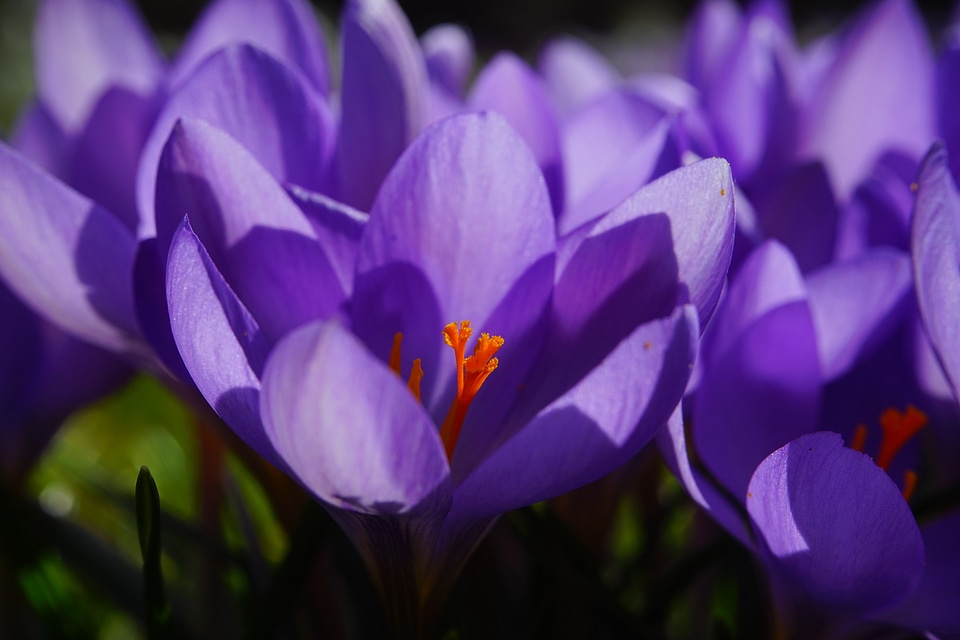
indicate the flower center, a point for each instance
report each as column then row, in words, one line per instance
column 897, row 429
column 472, row 372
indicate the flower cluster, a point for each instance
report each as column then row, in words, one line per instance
column 430, row 297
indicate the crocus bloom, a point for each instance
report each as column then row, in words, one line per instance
column 592, row 358
column 788, row 356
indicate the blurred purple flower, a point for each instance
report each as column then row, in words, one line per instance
column 786, row 357
column 291, row 342
column 44, row 376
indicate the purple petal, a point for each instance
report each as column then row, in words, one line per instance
column 948, row 99
column 935, row 247
column 856, row 304
column 38, row 137
column 285, row 29
column 799, row 209
column 448, row 52
column 855, row 118
column 384, row 96
column 349, row 428
column 510, row 87
column 598, row 425
column 575, row 73
column 597, row 142
column 698, row 202
column 880, row 210
column 258, row 238
column 262, row 104
column 461, row 222
column 646, row 161
column 220, row 343
column 105, row 155
column 932, row 606
column 65, row 256
column 714, row 28
column 835, row 526
column 767, row 279
column 338, row 228
column 83, row 48
column 760, row 382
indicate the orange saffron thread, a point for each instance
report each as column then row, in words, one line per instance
column 394, row 361
column 859, row 438
column 413, row 382
column 472, row 372
column 909, row 484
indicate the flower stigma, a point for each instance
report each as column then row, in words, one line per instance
column 898, row 428
column 472, row 372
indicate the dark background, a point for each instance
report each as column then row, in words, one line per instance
column 517, row 24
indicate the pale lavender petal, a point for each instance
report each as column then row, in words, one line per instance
column 285, row 29
column 767, row 279
column 597, row 142
column 444, row 245
column 575, row 73
column 257, row 237
column 38, row 137
column 338, row 228
column 698, row 201
column 349, row 428
column 103, row 165
column 748, row 103
column 948, row 98
column 384, row 96
column 649, row 158
column 448, row 52
column 935, row 248
column 65, row 256
column 511, row 88
column 761, row 393
column 713, row 30
column 263, row 105
column 856, row 305
column 800, row 210
column 83, row 48
column 220, row 342
column 835, row 526
column 599, row 424
column 854, row 117
column 760, row 382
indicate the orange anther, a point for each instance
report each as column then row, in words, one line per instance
column 394, row 361
column 859, row 438
column 416, row 375
column 909, row 484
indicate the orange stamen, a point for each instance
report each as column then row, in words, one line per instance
column 859, row 438
column 898, row 428
column 909, row 484
column 413, row 382
column 394, row 361
column 472, row 372
column 416, row 371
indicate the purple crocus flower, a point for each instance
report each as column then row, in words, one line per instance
column 786, row 358
column 363, row 406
